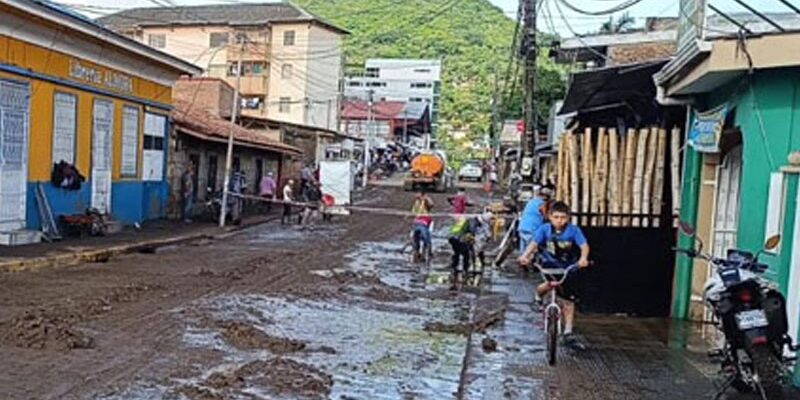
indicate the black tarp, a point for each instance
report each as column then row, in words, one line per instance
column 607, row 94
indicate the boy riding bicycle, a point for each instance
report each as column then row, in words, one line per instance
column 559, row 244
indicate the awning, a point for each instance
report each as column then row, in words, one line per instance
column 628, row 86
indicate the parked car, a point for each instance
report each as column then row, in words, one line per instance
column 471, row 170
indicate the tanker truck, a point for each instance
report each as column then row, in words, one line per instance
column 429, row 172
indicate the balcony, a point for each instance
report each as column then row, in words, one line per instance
column 252, row 52
column 251, row 85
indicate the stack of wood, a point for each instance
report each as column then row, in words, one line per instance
column 611, row 178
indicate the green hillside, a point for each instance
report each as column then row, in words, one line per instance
column 473, row 37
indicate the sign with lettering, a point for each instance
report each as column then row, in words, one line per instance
column 109, row 79
column 707, row 129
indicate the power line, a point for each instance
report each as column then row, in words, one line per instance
column 578, row 37
column 622, row 6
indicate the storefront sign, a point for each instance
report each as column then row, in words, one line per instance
column 111, row 80
column 707, row 129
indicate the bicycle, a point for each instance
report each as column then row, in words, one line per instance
column 552, row 311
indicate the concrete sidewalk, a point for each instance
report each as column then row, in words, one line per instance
column 152, row 235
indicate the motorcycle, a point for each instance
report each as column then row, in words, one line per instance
column 213, row 205
column 751, row 314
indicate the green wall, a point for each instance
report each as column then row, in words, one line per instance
column 765, row 151
column 775, row 94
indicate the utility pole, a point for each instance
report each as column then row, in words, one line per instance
column 368, row 137
column 340, row 95
column 229, row 155
column 529, row 50
column 405, row 126
column 494, row 142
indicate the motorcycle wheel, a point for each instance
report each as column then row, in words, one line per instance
column 769, row 370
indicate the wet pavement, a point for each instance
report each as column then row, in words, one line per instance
column 325, row 314
column 372, row 340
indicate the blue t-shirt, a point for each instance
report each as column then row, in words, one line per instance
column 532, row 217
column 564, row 246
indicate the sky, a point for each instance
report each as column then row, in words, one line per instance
column 551, row 18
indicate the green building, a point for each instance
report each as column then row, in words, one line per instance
column 740, row 185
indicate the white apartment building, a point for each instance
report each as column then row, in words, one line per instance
column 291, row 60
column 409, row 80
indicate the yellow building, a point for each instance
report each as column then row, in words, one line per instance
column 73, row 91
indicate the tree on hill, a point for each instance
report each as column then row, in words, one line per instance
column 472, row 38
column 622, row 24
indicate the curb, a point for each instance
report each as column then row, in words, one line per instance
column 106, row 253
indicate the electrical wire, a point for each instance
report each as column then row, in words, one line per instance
column 622, row 6
column 578, row 37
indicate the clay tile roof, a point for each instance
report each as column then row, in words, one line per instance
column 382, row 110
column 205, row 125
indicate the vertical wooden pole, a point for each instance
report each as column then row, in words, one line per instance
column 650, row 164
column 613, row 176
column 587, row 163
column 631, row 141
column 675, row 160
column 658, row 185
column 599, row 177
column 638, row 174
column 603, row 192
column 574, row 181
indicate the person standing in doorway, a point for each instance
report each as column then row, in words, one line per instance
column 267, row 189
column 187, row 185
column 288, row 198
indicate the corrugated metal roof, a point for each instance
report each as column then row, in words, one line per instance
column 618, row 39
column 216, row 14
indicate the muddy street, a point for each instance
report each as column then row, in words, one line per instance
column 338, row 312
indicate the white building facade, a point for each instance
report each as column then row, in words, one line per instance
column 408, row 80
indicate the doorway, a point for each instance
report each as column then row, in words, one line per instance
column 103, row 123
column 726, row 214
column 14, row 131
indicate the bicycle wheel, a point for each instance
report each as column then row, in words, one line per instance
column 552, row 335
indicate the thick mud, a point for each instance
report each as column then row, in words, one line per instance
column 337, row 312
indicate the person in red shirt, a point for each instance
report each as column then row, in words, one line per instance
column 421, row 233
column 460, row 202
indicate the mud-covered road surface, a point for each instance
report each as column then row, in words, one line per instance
column 337, row 312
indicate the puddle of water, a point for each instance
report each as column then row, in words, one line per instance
column 380, row 354
column 143, row 391
column 272, row 233
column 382, row 350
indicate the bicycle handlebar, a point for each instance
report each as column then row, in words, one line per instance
column 558, row 271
